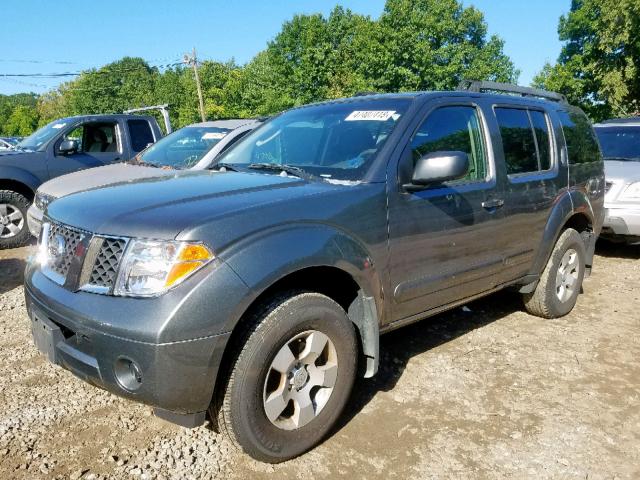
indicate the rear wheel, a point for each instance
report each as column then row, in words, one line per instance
column 291, row 379
column 13, row 219
column 560, row 283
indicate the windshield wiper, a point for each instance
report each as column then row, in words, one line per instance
column 142, row 163
column 277, row 167
column 226, row 166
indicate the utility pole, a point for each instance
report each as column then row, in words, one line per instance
column 193, row 61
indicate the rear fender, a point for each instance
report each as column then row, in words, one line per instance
column 566, row 205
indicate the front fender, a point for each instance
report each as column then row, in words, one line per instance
column 21, row 176
column 262, row 259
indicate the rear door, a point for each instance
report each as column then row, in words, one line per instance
column 99, row 143
column 529, row 158
column 443, row 239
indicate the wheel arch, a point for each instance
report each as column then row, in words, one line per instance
column 570, row 211
column 18, row 186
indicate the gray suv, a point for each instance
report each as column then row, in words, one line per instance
column 255, row 292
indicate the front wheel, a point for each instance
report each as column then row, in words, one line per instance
column 560, row 283
column 13, row 219
column 291, row 379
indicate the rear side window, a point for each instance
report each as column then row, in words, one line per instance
column 140, row 133
column 541, row 129
column 582, row 145
column 525, row 140
column 455, row 128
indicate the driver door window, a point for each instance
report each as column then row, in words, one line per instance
column 95, row 138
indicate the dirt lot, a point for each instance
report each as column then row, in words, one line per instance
column 486, row 393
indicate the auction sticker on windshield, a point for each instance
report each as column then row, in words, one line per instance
column 370, row 115
column 213, row 136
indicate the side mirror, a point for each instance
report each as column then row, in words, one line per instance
column 68, row 147
column 438, row 167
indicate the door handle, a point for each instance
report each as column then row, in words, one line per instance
column 493, row 204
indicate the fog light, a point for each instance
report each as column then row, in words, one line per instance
column 128, row 374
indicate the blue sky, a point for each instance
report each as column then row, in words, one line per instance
column 88, row 35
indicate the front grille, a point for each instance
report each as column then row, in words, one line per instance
column 105, row 267
column 80, row 260
column 63, row 242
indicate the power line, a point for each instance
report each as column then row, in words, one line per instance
column 58, row 62
column 105, row 70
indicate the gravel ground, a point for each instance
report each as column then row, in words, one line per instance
column 482, row 392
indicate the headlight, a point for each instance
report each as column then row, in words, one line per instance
column 632, row 192
column 43, row 200
column 150, row 267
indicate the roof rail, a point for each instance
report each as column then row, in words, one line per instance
column 364, row 93
column 484, row 86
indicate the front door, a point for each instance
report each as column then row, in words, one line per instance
column 444, row 243
column 98, row 144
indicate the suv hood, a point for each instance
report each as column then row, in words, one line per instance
column 625, row 171
column 10, row 154
column 162, row 207
column 100, row 177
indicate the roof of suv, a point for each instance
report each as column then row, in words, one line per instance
column 106, row 116
column 444, row 93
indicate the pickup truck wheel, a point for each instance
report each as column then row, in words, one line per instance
column 291, row 379
column 13, row 219
column 557, row 292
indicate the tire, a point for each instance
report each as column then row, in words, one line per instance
column 242, row 410
column 14, row 231
column 552, row 298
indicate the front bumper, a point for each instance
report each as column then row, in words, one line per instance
column 175, row 377
column 624, row 221
column 34, row 220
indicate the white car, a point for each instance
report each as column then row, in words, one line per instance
column 8, row 143
column 192, row 147
column 620, row 143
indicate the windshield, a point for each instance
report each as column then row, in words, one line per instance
column 38, row 140
column 10, row 140
column 621, row 143
column 334, row 141
column 183, row 148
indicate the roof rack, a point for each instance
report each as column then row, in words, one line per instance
column 484, row 86
column 164, row 111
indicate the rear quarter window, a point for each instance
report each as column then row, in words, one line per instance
column 140, row 133
column 582, row 145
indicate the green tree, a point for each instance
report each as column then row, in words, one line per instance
column 433, row 45
column 415, row 45
column 22, row 121
column 8, row 105
column 599, row 66
column 120, row 85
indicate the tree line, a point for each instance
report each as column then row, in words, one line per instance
column 413, row 45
